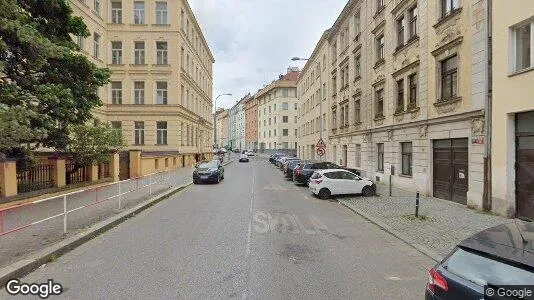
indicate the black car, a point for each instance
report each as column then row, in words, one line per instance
column 495, row 257
column 208, row 171
column 288, row 170
column 303, row 172
column 273, row 157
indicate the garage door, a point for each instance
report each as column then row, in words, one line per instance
column 524, row 167
column 450, row 169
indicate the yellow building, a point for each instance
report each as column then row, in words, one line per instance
column 512, row 151
column 160, row 93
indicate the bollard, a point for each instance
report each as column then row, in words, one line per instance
column 390, row 185
column 120, row 195
column 417, row 205
column 150, row 184
column 65, row 214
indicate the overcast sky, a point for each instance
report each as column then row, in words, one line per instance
column 253, row 40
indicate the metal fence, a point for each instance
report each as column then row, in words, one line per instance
column 80, row 175
column 103, row 171
column 35, row 178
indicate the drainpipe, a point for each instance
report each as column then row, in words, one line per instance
column 486, row 202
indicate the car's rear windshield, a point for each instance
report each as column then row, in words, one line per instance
column 210, row 164
column 316, row 175
column 484, row 270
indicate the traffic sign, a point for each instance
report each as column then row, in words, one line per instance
column 321, row 151
column 321, row 144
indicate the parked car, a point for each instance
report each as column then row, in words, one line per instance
column 208, row 171
column 273, row 157
column 286, row 161
column 288, row 170
column 498, row 256
column 251, row 152
column 325, row 183
column 243, row 158
column 303, row 172
column 277, row 160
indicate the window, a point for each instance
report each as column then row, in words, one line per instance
column 334, row 120
column 342, row 123
column 285, row 106
column 295, row 120
column 380, row 48
column 412, row 96
column 97, row 6
column 400, row 95
column 334, row 85
column 380, row 166
column 161, row 53
column 379, row 96
column 274, row 107
column 449, row 78
column 269, row 109
column 182, row 95
column 346, row 123
column 358, row 155
column 161, row 132
column 116, row 12
column 357, row 67
column 161, row 13
column 379, row 4
column 285, row 132
column 117, row 125
column 334, row 50
column 357, row 111
column 96, row 45
column 412, row 16
column 80, row 42
column 285, row 119
column 274, row 120
column 295, row 132
column 324, row 121
column 139, row 92
column 523, row 46
column 448, row 6
column 161, row 92
column 285, row 92
column 406, row 158
column 295, row 106
column 357, row 26
column 139, row 133
column 139, row 53
column 400, row 31
column 269, row 121
column 116, row 92
column 139, row 12
column 116, row 53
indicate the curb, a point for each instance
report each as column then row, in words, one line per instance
column 401, row 236
column 34, row 261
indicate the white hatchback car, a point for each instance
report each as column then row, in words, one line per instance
column 325, row 183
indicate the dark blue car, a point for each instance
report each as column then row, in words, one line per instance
column 491, row 259
column 210, row 171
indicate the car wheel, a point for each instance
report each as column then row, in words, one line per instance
column 195, row 181
column 324, row 193
column 222, row 177
column 367, row 191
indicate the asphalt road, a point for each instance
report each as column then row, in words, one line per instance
column 254, row 235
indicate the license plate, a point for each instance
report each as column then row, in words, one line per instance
column 203, row 177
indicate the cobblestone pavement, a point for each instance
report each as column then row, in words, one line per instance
column 448, row 223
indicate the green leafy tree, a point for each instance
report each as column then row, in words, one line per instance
column 91, row 143
column 42, row 74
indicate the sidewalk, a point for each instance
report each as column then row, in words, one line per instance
column 446, row 225
column 17, row 245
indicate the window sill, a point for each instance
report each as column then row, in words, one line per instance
column 357, row 37
column 380, row 171
column 138, row 144
column 379, row 117
column 443, row 102
column 410, row 41
column 115, row 24
column 379, row 11
column 408, row 110
column 357, row 78
column 161, row 65
column 357, row 123
column 162, row 25
column 138, row 65
column 405, row 175
column 115, row 65
column 379, row 63
column 515, row 73
column 161, row 144
column 447, row 17
column 143, row 24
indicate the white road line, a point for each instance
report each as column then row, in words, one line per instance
column 249, row 238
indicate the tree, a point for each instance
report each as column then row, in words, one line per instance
column 42, row 74
column 91, row 144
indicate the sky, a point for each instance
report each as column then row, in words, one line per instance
column 253, row 41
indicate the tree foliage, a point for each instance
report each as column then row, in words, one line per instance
column 43, row 79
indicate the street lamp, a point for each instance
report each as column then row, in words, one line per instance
column 321, row 95
column 215, row 118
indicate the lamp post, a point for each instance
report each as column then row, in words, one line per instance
column 215, row 118
column 321, row 96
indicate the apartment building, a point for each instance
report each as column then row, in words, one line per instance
column 407, row 93
column 160, row 93
column 512, row 141
column 222, row 127
column 312, row 105
column 218, row 132
column 277, row 113
column 237, row 124
column 251, row 123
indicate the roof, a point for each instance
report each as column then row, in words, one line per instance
column 513, row 241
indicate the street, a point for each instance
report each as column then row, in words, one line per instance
column 255, row 235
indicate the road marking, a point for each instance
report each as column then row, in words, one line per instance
column 248, row 279
column 274, row 186
column 265, row 222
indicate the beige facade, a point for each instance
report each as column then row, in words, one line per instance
column 407, row 89
column 277, row 113
column 160, row 93
column 512, row 159
column 251, row 123
column 312, row 87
